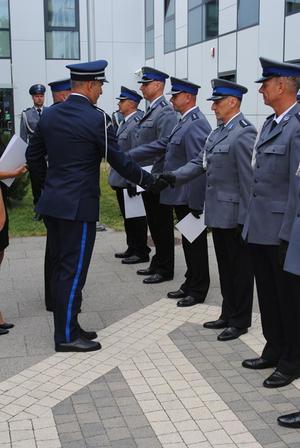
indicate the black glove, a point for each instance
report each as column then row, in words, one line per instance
column 196, row 213
column 131, row 190
column 158, row 184
column 169, row 177
column 282, row 250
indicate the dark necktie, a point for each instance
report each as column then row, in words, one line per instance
column 273, row 126
column 39, row 111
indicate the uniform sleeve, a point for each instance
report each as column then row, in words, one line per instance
column 150, row 150
column 190, row 170
column 243, row 149
column 35, row 157
column 23, row 129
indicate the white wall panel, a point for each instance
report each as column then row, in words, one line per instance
column 271, row 29
column 227, row 16
column 227, row 53
column 181, row 63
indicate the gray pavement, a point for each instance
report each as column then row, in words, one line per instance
column 161, row 379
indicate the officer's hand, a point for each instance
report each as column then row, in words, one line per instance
column 282, row 250
column 158, row 184
column 18, row 171
column 196, row 213
column 131, row 190
column 169, row 177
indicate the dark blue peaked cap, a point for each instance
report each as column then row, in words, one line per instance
column 60, row 85
column 152, row 74
column 181, row 85
column 222, row 88
column 275, row 68
column 127, row 94
column 36, row 89
column 88, row 71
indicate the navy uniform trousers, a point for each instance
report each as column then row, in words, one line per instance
column 236, row 277
column 71, row 245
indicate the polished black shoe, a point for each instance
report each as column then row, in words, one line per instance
column 79, row 345
column 134, row 259
column 90, row 335
column 258, row 363
column 147, row 271
column 3, row 331
column 6, row 326
column 188, row 301
column 125, row 254
column 156, row 278
column 179, row 294
column 231, row 333
column 216, row 324
column 290, row 420
column 279, row 379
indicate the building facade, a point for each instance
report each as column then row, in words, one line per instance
column 194, row 39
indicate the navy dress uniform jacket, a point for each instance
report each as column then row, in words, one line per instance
column 72, row 135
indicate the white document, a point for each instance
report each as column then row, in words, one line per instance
column 13, row 157
column 148, row 169
column 134, row 207
column 191, row 227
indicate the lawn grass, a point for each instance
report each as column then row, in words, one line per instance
column 22, row 225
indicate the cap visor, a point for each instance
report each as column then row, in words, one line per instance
column 173, row 93
column 215, row 98
column 263, row 78
column 145, row 81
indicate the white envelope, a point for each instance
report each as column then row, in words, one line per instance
column 148, row 169
column 13, row 157
column 134, row 207
column 191, row 227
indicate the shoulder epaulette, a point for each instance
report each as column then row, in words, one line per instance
column 270, row 116
column 137, row 119
column 244, row 123
column 195, row 116
column 163, row 103
column 298, row 115
column 25, row 110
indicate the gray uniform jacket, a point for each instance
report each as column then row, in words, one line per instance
column 29, row 121
column 185, row 142
column 157, row 123
column 226, row 158
column 292, row 261
column 125, row 136
column 274, row 192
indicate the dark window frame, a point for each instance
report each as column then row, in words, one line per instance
column 286, row 13
column 49, row 29
column 247, row 26
column 9, row 32
column 149, row 28
column 166, row 20
column 202, row 39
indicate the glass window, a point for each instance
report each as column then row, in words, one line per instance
column 149, row 29
column 203, row 20
column 292, row 6
column 4, row 30
column 248, row 13
column 170, row 29
column 62, row 29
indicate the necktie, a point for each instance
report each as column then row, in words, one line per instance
column 273, row 125
column 39, row 111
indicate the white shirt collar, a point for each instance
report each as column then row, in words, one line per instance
column 156, row 99
column 79, row 94
column 128, row 116
column 188, row 111
column 41, row 108
column 278, row 119
column 232, row 118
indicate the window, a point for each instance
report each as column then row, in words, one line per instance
column 149, row 29
column 4, row 30
column 203, row 20
column 62, row 29
column 292, row 6
column 248, row 13
column 170, row 29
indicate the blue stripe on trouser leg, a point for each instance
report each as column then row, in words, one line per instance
column 76, row 279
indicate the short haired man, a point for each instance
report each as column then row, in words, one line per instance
column 60, row 90
column 135, row 228
column 270, row 217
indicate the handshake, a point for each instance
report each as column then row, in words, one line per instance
column 162, row 181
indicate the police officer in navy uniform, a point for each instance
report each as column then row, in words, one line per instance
column 185, row 142
column 136, row 228
column 270, row 217
column 158, row 122
column 73, row 135
column 29, row 120
column 226, row 159
column 60, row 90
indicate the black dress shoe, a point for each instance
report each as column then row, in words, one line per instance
column 79, row 345
column 125, row 254
column 3, row 331
column 134, row 259
column 147, row 271
column 179, row 294
column 156, row 278
column 290, row 420
column 188, row 301
column 258, row 363
column 279, row 379
column 216, row 324
column 231, row 333
column 6, row 326
column 90, row 335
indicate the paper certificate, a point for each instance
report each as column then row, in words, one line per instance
column 191, row 227
column 134, row 207
column 148, row 169
column 13, row 157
